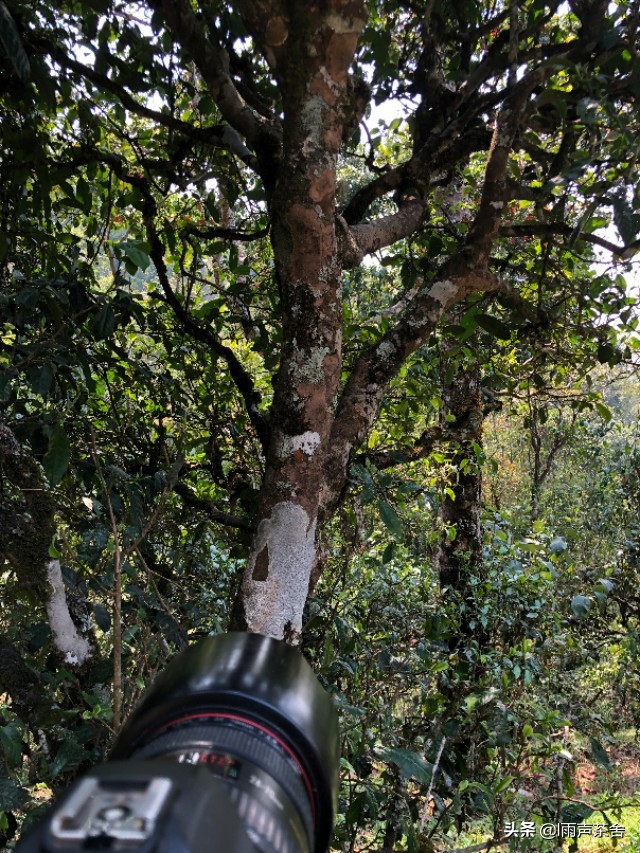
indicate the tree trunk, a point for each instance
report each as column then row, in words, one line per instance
column 460, row 553
column 313, row 79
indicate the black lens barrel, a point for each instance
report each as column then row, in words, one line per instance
column 257, row 683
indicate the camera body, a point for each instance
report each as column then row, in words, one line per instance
column 143, row 806
column 234, row 748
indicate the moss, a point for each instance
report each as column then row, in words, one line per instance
column 27, row 508
column 20, row 682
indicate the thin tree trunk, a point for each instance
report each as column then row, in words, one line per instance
column 459, row 559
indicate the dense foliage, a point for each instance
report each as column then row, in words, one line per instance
column 363, row 276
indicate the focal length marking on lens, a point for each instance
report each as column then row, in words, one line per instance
column 220, row 764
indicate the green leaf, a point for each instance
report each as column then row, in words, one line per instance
column 12, row 43
column 587, row 109
column 555, row 98
column 557, row 545
column 481, row 698
column 389, row 517
column 57, row 457
column 503, row 784
column 435, row 246
column 604, row 411
column 599, row 753
column 68, row 756
column 136, row 255
column 11, row 741
column 494, row 326
column 410, row 764
column 83, row 194
column 605, row 353
column 576, row 813
column 409, row 831
column 102, row 617
column 104, row 322
column 39, row 636
column 12, row 796
column 626, row 220
column 40, row 379
column 580, row 605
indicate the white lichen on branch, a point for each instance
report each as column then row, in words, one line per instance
column 67, row 639
column 443, row 291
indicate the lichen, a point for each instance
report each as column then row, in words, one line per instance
column 306, row 442
column 342, row 25
column 442, row 291
column 386, row 349
column 308, row 365
column 312, row 122
column 68, row 641
column 274, row 604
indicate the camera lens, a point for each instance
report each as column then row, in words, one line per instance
column 250, row 709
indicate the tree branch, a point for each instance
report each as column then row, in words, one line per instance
column 361, row 240
column 484, row 228
column 378, row 364
column 450, row 146
column 213, row 233
column 264, row 136
column 217, row 136
column 242, row 522
column 242, row 379
column 561, row 229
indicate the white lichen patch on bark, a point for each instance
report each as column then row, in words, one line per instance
column 442, row 291
column 329, row 81
column 312, row 122
column 306, row 442
column 274, row 605
column 386, row 349
column 308, row 365
column 497, row 205
column 330, row 271
column 342, row 25
column 67, row 639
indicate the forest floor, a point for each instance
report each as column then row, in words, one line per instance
column 623, row 779
column 616, row 785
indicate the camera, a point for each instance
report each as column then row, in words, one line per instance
column 233, row 749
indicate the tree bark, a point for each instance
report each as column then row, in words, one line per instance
column 459, row 558
column 312, row 69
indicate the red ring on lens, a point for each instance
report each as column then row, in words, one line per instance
column 264, row 729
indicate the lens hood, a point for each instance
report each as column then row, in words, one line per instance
column 256, row 680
